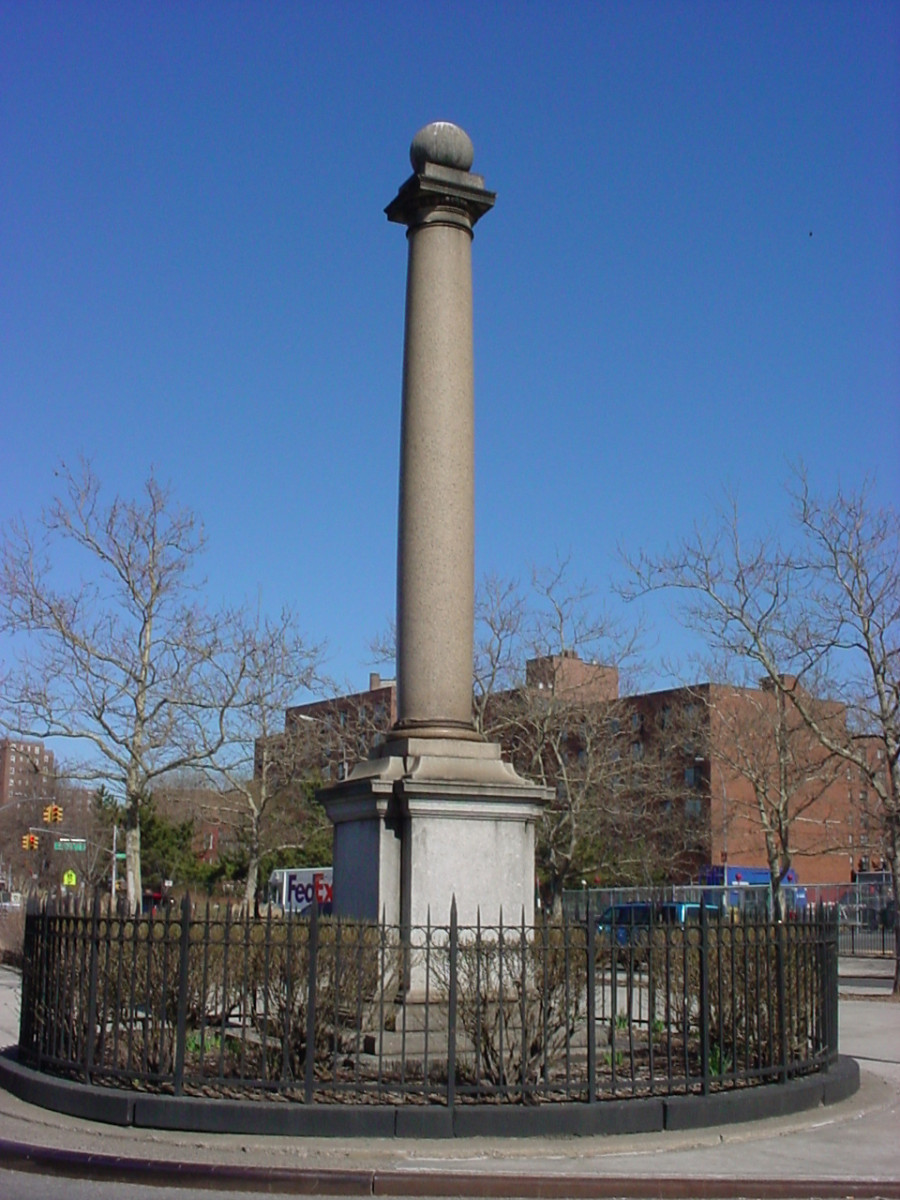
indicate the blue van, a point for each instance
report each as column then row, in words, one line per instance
column 685, row 912
column 627, row 924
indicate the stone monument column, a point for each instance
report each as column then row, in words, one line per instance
column 435, row 812
column 439, row 204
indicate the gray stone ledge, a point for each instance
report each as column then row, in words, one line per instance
column 652, row 1114
column 110, row 1105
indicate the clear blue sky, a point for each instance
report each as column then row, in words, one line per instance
column 690, row 280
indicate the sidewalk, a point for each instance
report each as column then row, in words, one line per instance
column 852, row 1148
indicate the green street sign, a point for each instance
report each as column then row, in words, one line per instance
column 76, row 844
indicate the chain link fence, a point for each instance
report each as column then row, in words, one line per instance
column 866, row 911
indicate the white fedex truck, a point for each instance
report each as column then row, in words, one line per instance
column 297, row 889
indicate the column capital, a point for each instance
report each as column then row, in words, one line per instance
column 439, row 187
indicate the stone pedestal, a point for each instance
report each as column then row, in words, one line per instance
column 435, row 812
column 425, row 820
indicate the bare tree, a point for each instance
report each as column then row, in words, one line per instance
column 500, row 648
column 761, row 739
column 742, row 599
column 852, row 559
column 266, row 663
column 547, row 670
column 821, row 620
column 117, row 662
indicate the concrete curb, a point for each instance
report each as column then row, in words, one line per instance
column 415, row 1182
column 654, row 1114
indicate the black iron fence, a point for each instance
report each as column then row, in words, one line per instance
column 202, row 1001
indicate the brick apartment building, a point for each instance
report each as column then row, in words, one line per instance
column 731, row 762
column 29, row 784
column 27, row 771
column 716, row 744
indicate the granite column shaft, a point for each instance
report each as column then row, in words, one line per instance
column 436, row 535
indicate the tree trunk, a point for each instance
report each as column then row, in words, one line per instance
column 252, row 866
column 775, row 874
column 133, row 880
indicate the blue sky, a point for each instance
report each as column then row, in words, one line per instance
column 690, row 280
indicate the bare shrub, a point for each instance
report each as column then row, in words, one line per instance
column 522, row 997
column 12, row 936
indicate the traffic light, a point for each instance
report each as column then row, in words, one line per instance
column 56, row 813
column 48, row 814
column 26, row 840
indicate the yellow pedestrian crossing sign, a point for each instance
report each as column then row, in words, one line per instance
column 69, row 879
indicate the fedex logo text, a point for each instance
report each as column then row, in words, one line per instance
column 301, row 893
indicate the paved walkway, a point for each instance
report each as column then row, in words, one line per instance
column 852, row 1148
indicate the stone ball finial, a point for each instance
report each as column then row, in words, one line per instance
column 444, row 144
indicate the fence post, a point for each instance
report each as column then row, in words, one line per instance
column 545, row 987
column 44, row 1000
column 92, row 988
column 523, row 1016
column 310, row 1060
column 48, row 954
column 181, row 1019
column 704, row 999
column 781, row 986
column 452, row 1005
column 830, row 929
column 30, row 958
column 288, row 995
column 592, row 1014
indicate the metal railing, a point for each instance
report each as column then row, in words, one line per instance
column 201, row 1001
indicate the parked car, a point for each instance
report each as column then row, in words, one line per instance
column 627, row 924
column 685, row 912
column 630, row 926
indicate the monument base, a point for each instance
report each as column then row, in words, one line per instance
column 427, row 819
